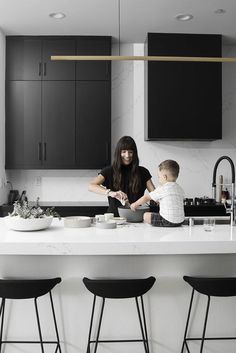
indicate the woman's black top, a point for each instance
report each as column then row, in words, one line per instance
column 107, row 173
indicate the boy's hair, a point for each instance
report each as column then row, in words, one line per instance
column 171, row 166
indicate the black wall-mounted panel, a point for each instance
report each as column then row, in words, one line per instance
column 184, row 99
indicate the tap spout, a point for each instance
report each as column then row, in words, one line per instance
column 232, row 211
column 216, row 166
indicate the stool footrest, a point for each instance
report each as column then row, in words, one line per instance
column 209, row 338
column 107, row 341
column 38, row 342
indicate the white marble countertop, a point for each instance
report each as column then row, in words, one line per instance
column 70, row 203
column 127, row 239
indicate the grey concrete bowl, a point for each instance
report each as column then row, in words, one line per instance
column 133, row 216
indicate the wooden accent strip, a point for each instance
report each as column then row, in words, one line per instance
column 144, row 58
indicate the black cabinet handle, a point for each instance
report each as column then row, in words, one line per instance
column 45, row 151
column 44, row 69
column 40, row 151
column 40, row 69
column 107, row 152
column 107, row 69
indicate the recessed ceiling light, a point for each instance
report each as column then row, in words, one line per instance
column 220, row 11
column 57, row 15
column 184, row 17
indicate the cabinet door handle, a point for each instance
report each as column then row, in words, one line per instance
column 45, row 151
column 40, row 69
column 107, row 70
column 44, row 69
column 40, row 151
column 107, row 152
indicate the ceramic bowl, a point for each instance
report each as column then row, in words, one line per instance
column 27, row 224
column 133, row 216
column 77, row 222
column 106, row 225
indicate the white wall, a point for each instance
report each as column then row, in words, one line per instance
column 3, row 191
column 196, row 159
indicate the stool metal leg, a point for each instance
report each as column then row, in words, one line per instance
column 38, row 322
column 146, row 348
column 144, row 321
column 55, row 324
column 187, row 323
column 99, row 325
column 2, row 311
column 205, row 323
column 91, row 324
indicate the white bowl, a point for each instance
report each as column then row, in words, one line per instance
column 27, row 224
column 106, row 225
column 133, row 216
column 77, row 222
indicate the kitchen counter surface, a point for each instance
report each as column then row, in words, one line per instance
column 73, row 203
column 127, row 239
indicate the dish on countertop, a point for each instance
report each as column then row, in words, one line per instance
column 119, row 220
column 77, row 222
column 111, row 224
column 133, row 216
column 27, row 224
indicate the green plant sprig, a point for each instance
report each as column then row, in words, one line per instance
column 24, row 210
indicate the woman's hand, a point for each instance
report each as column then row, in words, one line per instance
column 134, row 206
column 119, row 195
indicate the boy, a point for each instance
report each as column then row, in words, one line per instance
column 169, row 195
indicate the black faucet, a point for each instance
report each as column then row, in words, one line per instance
column 232, row 181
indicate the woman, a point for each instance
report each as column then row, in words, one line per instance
column 124, row 181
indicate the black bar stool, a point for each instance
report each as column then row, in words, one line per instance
column 119, row 289
column 28, row 289
column 212, row 287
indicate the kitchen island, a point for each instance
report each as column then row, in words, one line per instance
column 131, row 250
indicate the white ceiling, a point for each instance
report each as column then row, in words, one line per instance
column 100, row 17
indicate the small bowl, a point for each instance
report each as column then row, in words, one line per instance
column 106, row 225
column 77, row 222
column 133, row 216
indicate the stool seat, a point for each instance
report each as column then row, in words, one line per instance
column 213, row 286
column 26, row 288
column 119, row 288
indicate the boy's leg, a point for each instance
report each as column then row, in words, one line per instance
column 147, row 217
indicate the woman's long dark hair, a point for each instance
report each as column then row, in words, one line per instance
column 126, row 143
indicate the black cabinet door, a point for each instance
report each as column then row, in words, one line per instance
column 58, row 123
column 184, row 98
column 23, row 124
column 58, row 70
column 93, row 124
column 93, row 70
column 30, row 58
column 23, row 58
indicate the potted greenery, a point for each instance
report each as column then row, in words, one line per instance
column 28, row 217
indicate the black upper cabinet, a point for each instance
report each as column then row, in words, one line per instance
column 40, row 124
column 93, row 70
column 23, row 124
column 54, row 121
column 184, row 99
column 58, row 124
column 28, row 58
column 23, row 58
column 93, row 124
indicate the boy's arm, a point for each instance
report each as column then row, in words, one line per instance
column 139, row 202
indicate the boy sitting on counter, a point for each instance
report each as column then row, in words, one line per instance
column 169, row 195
